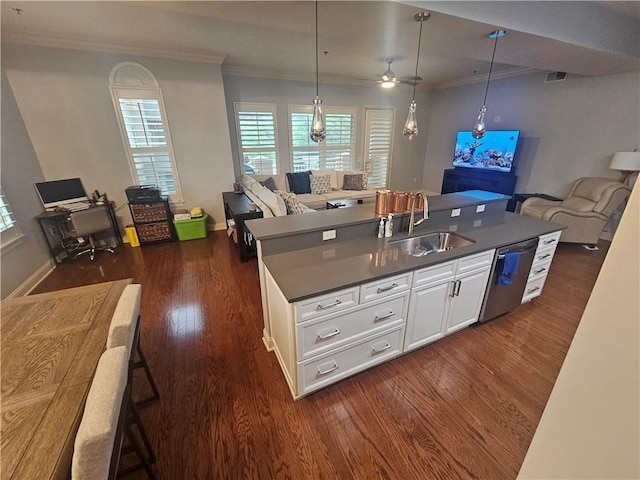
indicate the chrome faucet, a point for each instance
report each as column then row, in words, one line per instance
column 425, row 212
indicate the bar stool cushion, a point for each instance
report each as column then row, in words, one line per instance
column 94, row 441
column 123, row 324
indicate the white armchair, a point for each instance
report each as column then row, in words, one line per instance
column 585, row 211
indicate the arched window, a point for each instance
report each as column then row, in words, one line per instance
column 139, row 106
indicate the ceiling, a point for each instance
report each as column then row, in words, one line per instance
column 276, row 39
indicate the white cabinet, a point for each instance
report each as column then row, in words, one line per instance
column 540, row 267
column 323, row 339
column 447, row 298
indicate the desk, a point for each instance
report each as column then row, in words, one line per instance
column 51, row 344
column 53, row 226
column 236, row 207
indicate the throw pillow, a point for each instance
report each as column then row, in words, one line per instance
column 352, row 181
column 291, row 201
column 320, row 184
column 270, row 183
column 299, row 182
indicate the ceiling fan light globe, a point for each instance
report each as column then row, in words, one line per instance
column 387, row 84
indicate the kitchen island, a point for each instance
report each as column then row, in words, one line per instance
column 335, row 307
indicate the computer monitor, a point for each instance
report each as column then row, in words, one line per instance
column 60, row 192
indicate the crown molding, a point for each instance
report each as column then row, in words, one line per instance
column 92, row 45
column 512, row 72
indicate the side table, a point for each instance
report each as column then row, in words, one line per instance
column 518, row 198
column 236, row 208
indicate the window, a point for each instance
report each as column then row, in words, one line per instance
column 257, row 137
column 8, row 227
column 337, row 151
column 379, row 125
column 145, row 132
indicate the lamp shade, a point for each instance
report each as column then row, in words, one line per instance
column 626, row 161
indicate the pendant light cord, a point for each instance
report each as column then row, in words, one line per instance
column 493, row 55
column 415, row 77
column 317, row 76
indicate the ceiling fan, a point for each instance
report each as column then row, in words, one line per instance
column 390, row 80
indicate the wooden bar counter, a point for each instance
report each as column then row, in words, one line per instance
column 51, row 344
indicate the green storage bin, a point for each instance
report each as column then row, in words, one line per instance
column 191, row 229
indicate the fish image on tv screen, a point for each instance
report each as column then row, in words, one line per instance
column 494, row 152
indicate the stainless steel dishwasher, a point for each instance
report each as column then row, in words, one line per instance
column 500, row 299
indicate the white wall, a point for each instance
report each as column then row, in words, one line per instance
column 568, row 129
column 407, row 158
column 64, row 99
column 20, row 169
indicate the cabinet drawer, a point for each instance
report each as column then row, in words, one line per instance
column 325, row 304
column 549, row 239
column 474, row 262
column 543, row 255
column 540, row 269
column 533, row 288
column 434, row 275
column 320, row 335
column 385, row 286
column 349, row 360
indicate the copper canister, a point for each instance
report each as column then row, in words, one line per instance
column 410, row 199
column 398, row 202
column 419, row 199
column 383, row 202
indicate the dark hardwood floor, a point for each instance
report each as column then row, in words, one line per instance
column 466, row 406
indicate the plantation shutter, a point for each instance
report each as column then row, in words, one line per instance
column 257, row 137
column 336, row 151
column 379, row 134
column 7, row 218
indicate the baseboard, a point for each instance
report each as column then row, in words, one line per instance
column 32, row 282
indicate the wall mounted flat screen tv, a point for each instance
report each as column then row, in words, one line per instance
column 59, row 192
column 495, row 152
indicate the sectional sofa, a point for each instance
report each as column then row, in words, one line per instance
column 272, row 203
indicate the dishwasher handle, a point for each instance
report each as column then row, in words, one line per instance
column 525, row 250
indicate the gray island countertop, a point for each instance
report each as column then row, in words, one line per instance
column 308, row 272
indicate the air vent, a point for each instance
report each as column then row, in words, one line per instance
column 555, row 77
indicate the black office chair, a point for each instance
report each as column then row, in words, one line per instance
column 86, row 223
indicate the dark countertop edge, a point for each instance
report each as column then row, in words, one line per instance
column 483, row 243
column 276, row 227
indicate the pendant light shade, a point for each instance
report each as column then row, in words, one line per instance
column 479, row 129
column 318, row 129
column 410, row 130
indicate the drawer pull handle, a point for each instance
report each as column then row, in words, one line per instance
column 326, row 369
column 546, row 255
column 330, row 334
column 547, row 242
column 540, row 270
column 381, row 348
column 335, row 303
column 534, row 289
column 386, row 289
column 384, row 317
column 459, row 284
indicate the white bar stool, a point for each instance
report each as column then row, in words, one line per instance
column 125, row 331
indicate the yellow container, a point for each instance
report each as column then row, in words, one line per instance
column 132, row 235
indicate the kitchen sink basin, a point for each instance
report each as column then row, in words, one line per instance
column 430, row 243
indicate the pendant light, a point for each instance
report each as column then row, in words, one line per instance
column 479, row 129
column 410, row 130
column 318, row 130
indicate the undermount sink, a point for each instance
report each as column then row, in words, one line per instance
column 431, row 243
